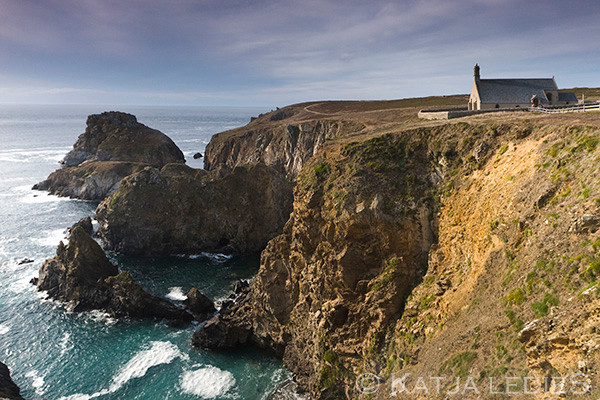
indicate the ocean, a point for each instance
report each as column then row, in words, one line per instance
column 57, row 354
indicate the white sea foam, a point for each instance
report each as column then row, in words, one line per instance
column 176, row 293
column 36, row 197
column 22, row 284
column 22, row 155
column 65, row 344
column 159, row 353
column 218, row 257
column 4, row 329
column 208, row 382
column 52, row 237
column 37, row 381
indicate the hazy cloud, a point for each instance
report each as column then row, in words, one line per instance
column 276, row 52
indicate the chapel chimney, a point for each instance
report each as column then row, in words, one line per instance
column 476, row 72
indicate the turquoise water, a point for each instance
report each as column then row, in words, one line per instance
column 60, row 355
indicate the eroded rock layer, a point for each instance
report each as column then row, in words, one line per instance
column 182, row 210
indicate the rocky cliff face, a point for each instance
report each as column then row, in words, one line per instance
column 113, row 146
column 182, row 210
column 284, row 145
column 82, row 275
column 355, row 245
column 408, row 253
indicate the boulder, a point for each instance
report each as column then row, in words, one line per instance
column 220, row 334
column 8, row 389
column 197, row 156
column 82, row 275
column 200, row 305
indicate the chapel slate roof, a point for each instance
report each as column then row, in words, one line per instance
column 568, row 96
column 514, row 90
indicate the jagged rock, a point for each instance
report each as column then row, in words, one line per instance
column 339, row 272
column 113, row 146
column 240, row 286
column 82, row 275
column 197, row 156
column 228, row 329
column 200, row 305
column 8, row 389
column 183, row 210
column 25, row 261
column 90, row 181
column 287, row 146
column 85, row 223
column 587, row 223
column 117, row 136
column 218, row 334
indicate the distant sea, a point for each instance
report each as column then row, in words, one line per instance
column 57, row 354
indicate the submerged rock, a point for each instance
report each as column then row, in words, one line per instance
column 82, row 275
column 8, row 389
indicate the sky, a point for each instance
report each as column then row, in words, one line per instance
column 279, row 52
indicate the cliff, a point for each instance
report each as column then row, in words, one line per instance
column 113, row 146
column 408, row 251
column 427, row 248
column 182, row 210
column 282, row 139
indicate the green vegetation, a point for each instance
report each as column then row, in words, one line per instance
column 516, row 322
column 541, row 307
column 391, row 270
column 503, row 149
column 426, row 301
column 332, row 372
column 493, row 224
column 516, row 296
column 321, row 170
column 458, row 364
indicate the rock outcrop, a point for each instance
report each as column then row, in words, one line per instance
column 82, row 275
column 113, row 146
column 8, row 389
column 90, row 181
column 182, row 210
column 117, row 136
column 285, row 146
column 198, row 304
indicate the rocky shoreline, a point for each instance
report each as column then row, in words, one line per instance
column 377, row 243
